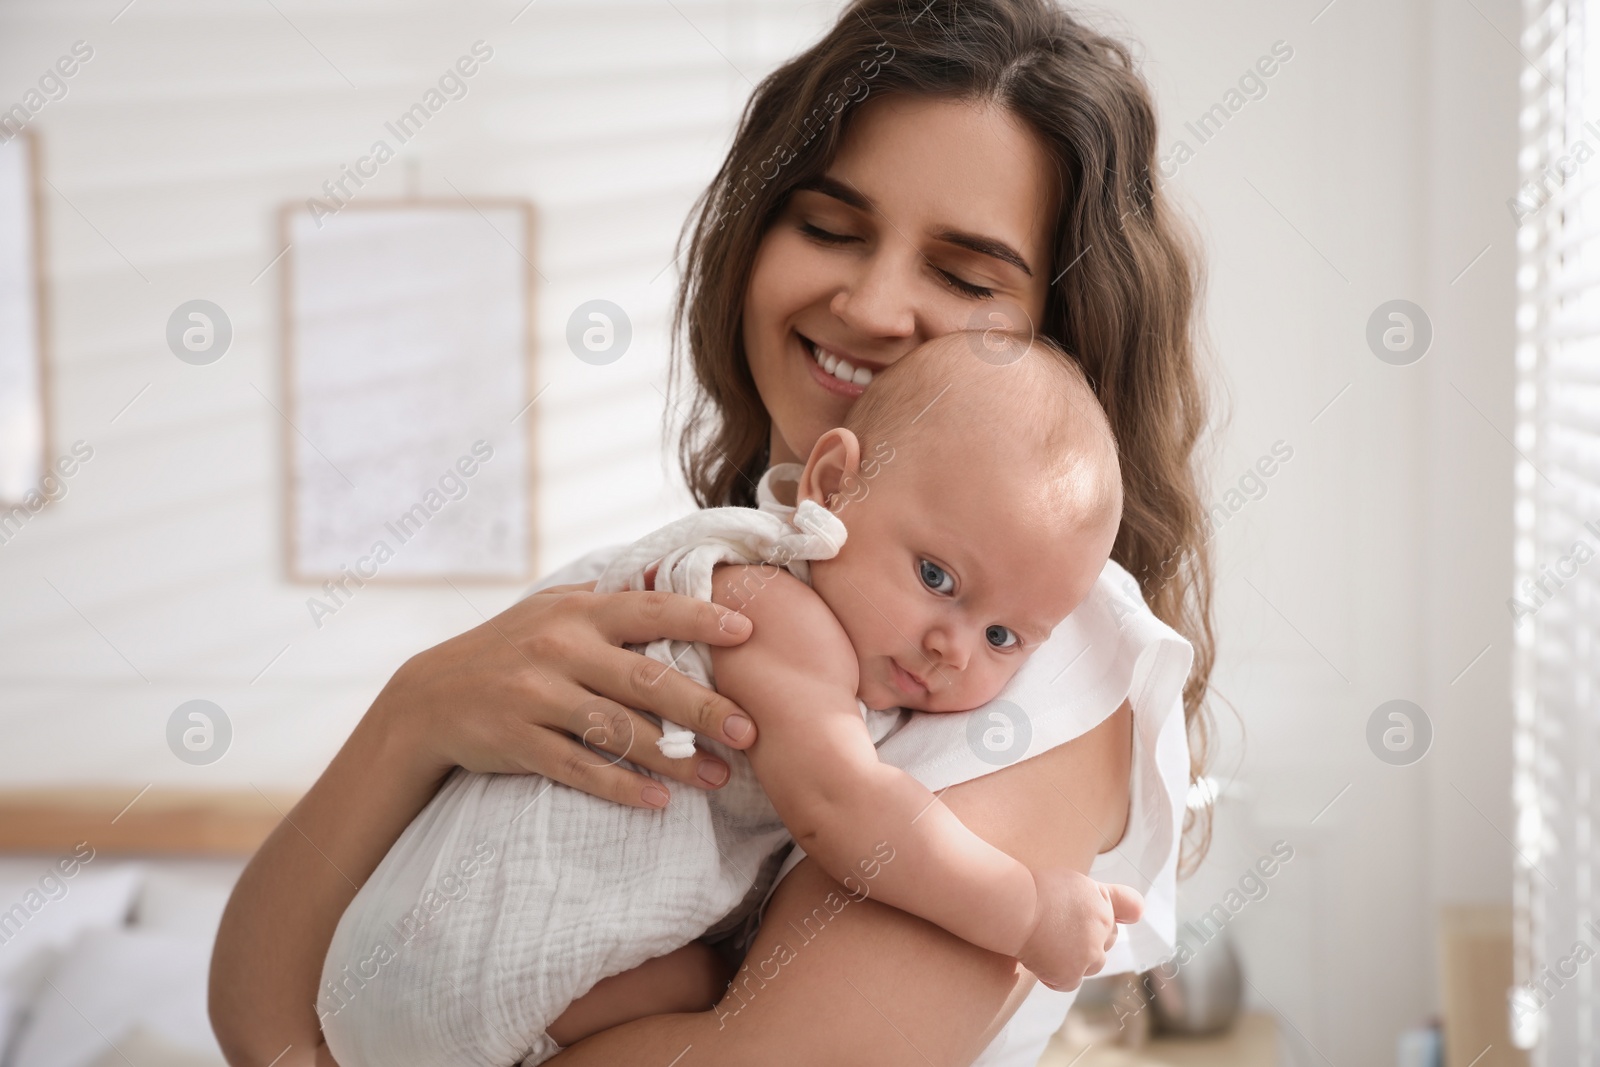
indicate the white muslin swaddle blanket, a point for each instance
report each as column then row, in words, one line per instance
column 510, row 896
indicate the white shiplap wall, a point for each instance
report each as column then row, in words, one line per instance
column 1377, row 567
column 158, row 578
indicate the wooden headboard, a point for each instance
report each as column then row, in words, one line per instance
column 155, row 821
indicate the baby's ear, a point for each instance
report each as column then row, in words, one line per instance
column 833, row 467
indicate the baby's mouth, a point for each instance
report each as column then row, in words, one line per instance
column 906, row 681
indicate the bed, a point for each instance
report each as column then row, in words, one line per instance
column 109, row 903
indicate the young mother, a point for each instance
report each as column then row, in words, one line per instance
column 923, row 166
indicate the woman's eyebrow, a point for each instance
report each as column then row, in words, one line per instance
column 986, row 246
column 972, row 242
column 839, row 191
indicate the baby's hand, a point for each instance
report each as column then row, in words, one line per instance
column 1075, row 925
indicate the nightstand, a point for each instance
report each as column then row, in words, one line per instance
column 1253, row 1042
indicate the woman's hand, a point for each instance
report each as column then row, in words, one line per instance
column 545, row 687
column 511, row 695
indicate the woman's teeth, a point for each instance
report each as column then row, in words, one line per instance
column 839, row 368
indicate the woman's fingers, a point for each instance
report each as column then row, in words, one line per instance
column 640, row 682
column 638, row 618
column 564, row 760
column 618, row 733
column 552, row 693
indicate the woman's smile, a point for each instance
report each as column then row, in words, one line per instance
column 836, row 373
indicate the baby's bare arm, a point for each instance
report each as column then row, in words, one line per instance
column 869, row 825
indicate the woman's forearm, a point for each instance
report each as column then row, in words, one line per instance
column 275, row 932
column 834, row 980
column 894, row 991
column 501, row 698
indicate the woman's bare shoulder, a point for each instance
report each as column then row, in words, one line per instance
column 1063, row 806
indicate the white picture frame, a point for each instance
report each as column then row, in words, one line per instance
column 408, row 378
column 24, row 415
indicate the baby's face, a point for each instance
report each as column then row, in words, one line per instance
column 955, row 570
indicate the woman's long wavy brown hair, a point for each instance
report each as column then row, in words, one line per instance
column 1123, row 304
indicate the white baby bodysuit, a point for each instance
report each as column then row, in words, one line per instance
column 510, row 896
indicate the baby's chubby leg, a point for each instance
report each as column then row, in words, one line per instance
column 692, row 978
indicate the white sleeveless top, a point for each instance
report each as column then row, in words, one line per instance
column 1110, row 649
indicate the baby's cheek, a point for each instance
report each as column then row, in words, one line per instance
column 841, row 589
column 995, row 679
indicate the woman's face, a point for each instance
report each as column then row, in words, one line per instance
column 935, row 214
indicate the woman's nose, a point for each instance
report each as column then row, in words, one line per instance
column 878, row 301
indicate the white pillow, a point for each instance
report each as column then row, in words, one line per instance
column 186, row 897
column 42, row 912
column 152, row 1050
column 131, row 984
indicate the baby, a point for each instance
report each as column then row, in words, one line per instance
column 922, row 553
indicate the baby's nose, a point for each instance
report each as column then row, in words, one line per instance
column 947, row 650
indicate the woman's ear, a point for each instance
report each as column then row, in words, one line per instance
column 834, row 466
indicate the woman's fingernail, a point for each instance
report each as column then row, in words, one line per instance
column 712, row 772
column 654, row 796
column 734, row 623
column 736, row 727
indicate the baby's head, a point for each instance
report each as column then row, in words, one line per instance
column 981, row 499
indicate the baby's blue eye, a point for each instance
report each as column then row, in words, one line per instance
column 1000, row 637
column 936, row 577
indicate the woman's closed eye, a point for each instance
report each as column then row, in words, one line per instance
column 959, row 284
column 965, row 288
column 827, row 237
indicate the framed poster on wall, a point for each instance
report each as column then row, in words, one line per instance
column 408, row 374
column 23, row 421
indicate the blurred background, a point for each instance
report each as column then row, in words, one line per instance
column 1379, row 162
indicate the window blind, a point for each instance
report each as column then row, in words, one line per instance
column 1556, row 596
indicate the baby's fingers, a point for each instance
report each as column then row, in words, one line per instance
column 1068, row 980
column 1126, row 904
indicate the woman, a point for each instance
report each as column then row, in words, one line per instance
column 922, row 168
